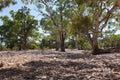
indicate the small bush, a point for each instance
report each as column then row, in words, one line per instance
column 87, row 46
column 15, row 48
column 33, row 46
column 3, row 48
column 70, row 46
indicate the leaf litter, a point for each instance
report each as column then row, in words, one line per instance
column 55, row 65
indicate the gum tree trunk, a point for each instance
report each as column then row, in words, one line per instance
column 62, row 41
column 62, row 45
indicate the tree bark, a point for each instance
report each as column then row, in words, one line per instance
column 62, row 36
column 62, row 44
column 25, row 44
column 95, row 48
column 57, row 45
column 94, row 43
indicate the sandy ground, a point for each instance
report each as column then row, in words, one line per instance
column 53, row 65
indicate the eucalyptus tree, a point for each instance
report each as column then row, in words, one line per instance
column 100, row 11
column 57, row 12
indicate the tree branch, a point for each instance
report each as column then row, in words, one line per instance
column 106, row 18
column 51, row 15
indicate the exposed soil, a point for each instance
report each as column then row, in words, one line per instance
column 53, row 65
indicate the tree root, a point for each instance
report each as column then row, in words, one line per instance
column 101, row 51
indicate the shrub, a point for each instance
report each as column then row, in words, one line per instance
column 15, row 48
column 33, row 46
column 87, row 46
column 3, row 48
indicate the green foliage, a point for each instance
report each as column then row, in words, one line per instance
column 33, row 46
column 70, row 47
column 48, row 42
column 3, row 48
column 5, row 3
column 115, row 40
column 70, row 43
column 101, row 44
column 77, row 18
column 80, row 2
column 17, row 31
column 112, row 41
column 87, row 46
column 81, row 23
column 15, row 48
